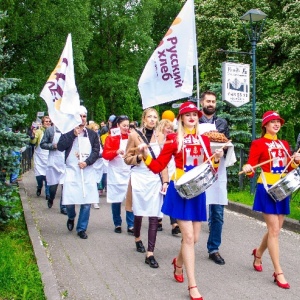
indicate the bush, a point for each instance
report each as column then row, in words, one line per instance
column 8, row 201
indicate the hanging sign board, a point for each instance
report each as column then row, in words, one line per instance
column 176, row 105
column 235, row 83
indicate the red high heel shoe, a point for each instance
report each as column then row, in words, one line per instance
column 193, row 287
column 282, row 285
column 178, row 278
column 257, row 268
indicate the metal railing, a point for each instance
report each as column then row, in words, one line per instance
column 26, row 160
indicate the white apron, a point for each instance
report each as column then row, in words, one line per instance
column 98, row 165
column 40, row 158
column 73, row 181
column 56, row 164
column 217, row 192
column 146, row 197
column 118, row 174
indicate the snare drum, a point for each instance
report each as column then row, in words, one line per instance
column 285, row 186
column 196, row 181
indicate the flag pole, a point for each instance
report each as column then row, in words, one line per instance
column 198, row 87
column 196, row 61
column 81, row 170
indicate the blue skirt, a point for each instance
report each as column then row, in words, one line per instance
column 184, row 209
column 263, row 202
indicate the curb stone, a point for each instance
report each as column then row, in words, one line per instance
column 289, row 224
column 47, row 275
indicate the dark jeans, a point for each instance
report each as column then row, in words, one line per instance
column 103, row 181
column 84, row 216
column 116, row 213
column 53, row 190
column 215, row 221
column 172, row 220
column 40, row 179
column 152, row 230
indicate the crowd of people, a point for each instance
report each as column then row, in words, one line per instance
column 141, row 165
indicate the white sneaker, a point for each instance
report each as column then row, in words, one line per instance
column 96, row 206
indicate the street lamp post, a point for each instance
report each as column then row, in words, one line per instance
column 256, row 20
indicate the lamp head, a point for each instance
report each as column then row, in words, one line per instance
column 253, row 15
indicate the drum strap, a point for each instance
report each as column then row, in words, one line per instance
column 150, row 149
column 263, row 177
column 204, row 148
column 287, row 152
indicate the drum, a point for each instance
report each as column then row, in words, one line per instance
column 285, row 186
column 196, row 181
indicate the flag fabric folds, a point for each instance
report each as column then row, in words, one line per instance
column 168, row 75
column 60, row 92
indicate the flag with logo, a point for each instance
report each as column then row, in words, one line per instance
column 168, row 75
column 60, row 92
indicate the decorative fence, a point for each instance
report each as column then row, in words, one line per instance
column 26, row 160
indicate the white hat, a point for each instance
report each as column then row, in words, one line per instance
column 82, row 110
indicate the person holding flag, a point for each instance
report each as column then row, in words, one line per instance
column 81, row 146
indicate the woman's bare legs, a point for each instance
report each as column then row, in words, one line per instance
column 274, row 224
column 271, row 241
column 261, row 249
column 190, row 234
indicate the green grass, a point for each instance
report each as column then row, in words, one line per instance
column 19, row 274
column 246, row 198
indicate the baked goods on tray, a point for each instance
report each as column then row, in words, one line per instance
column 215, row 136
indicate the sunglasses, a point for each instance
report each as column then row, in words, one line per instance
column 122, row 118
column 82, row 116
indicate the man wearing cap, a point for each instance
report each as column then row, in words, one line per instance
column 216, row 195
column 81, row 147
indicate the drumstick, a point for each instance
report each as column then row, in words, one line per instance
column 210, row 158
column 289, row 164
column 258, row 165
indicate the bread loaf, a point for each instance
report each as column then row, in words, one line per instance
column 217, row 137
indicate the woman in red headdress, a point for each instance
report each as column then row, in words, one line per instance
column 189, row 150
column 278, row 154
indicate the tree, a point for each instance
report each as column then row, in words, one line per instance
column 280, row 79
column 37, row 32
column 117, row 54
column 11, row 142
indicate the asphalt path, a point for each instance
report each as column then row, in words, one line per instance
column 107, row 266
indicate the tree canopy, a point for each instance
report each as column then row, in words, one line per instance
column 113, row 39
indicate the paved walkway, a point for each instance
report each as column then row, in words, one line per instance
column 106, row 265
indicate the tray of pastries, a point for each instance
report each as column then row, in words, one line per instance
column 215, row 136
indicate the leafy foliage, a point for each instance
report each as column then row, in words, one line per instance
column 113, row 39
column 19, row 274
column 11, row 142
column 37, row 32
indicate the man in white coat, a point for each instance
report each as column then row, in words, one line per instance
column 56, row 164
column 216, row 195
column 40, row 157
column 81, row 147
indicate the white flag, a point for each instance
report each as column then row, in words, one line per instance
column 60, row 92
column 168, row 75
